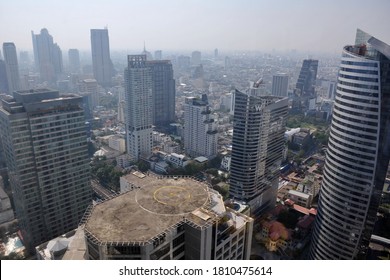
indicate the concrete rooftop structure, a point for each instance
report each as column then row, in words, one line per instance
column 154, row 206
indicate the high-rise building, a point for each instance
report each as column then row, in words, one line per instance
column 358, row 152
column 139, row 88
column 196, row 58
column 280, row 85
column 158, row 55
column 47, row 56
column 90, row 88
column 183, row 62
column 101, row 61
column 74, row 60
column 163, row 101
column 45, row 146
column 307, row 77
column 258, row 144
column 12, row 67
column 200, row 130
column 166, row 219
column 3, row 78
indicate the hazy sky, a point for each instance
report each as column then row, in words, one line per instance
column 197, row 24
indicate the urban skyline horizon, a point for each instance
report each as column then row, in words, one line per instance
column 229, row 26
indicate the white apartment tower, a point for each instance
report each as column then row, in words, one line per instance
column 138, row 98
column 200, row 132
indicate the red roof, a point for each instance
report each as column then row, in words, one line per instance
column 306, row 221
column 301, row 209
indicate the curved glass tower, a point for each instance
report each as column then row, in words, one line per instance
column 358, row 152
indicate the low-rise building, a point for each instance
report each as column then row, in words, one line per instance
column 300, row 198
column 117, row 143
column 225, row 163
column 179, row 161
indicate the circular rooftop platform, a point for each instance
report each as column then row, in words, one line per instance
column 172, row 199
column 147, row 211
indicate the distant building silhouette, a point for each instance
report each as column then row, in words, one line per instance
column 158, row 55
column 74, row 61
column 183, row 62
column 47, row 56
column 358, row 152
column 3, row 78
column 12, row 67
column 196, row 58
column 101, row 61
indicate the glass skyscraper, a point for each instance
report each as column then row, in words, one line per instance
column 358, row 152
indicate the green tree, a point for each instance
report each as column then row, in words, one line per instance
column 143, row 166
column 193, row 168
column 212, row 171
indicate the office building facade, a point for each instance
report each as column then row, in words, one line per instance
column 101, row 61
column 45, row 147
column 258, row 144
column 358, row 152
column 280, row 85
column 138, row 98
column 200, row 130
column 163, row 101
column 12, row 67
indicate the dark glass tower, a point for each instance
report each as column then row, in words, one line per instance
column 358, row 152
column 163, row 112
column 307, row 77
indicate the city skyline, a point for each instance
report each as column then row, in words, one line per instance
column 226, row 25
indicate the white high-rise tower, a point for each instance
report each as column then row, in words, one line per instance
column 138, row 98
